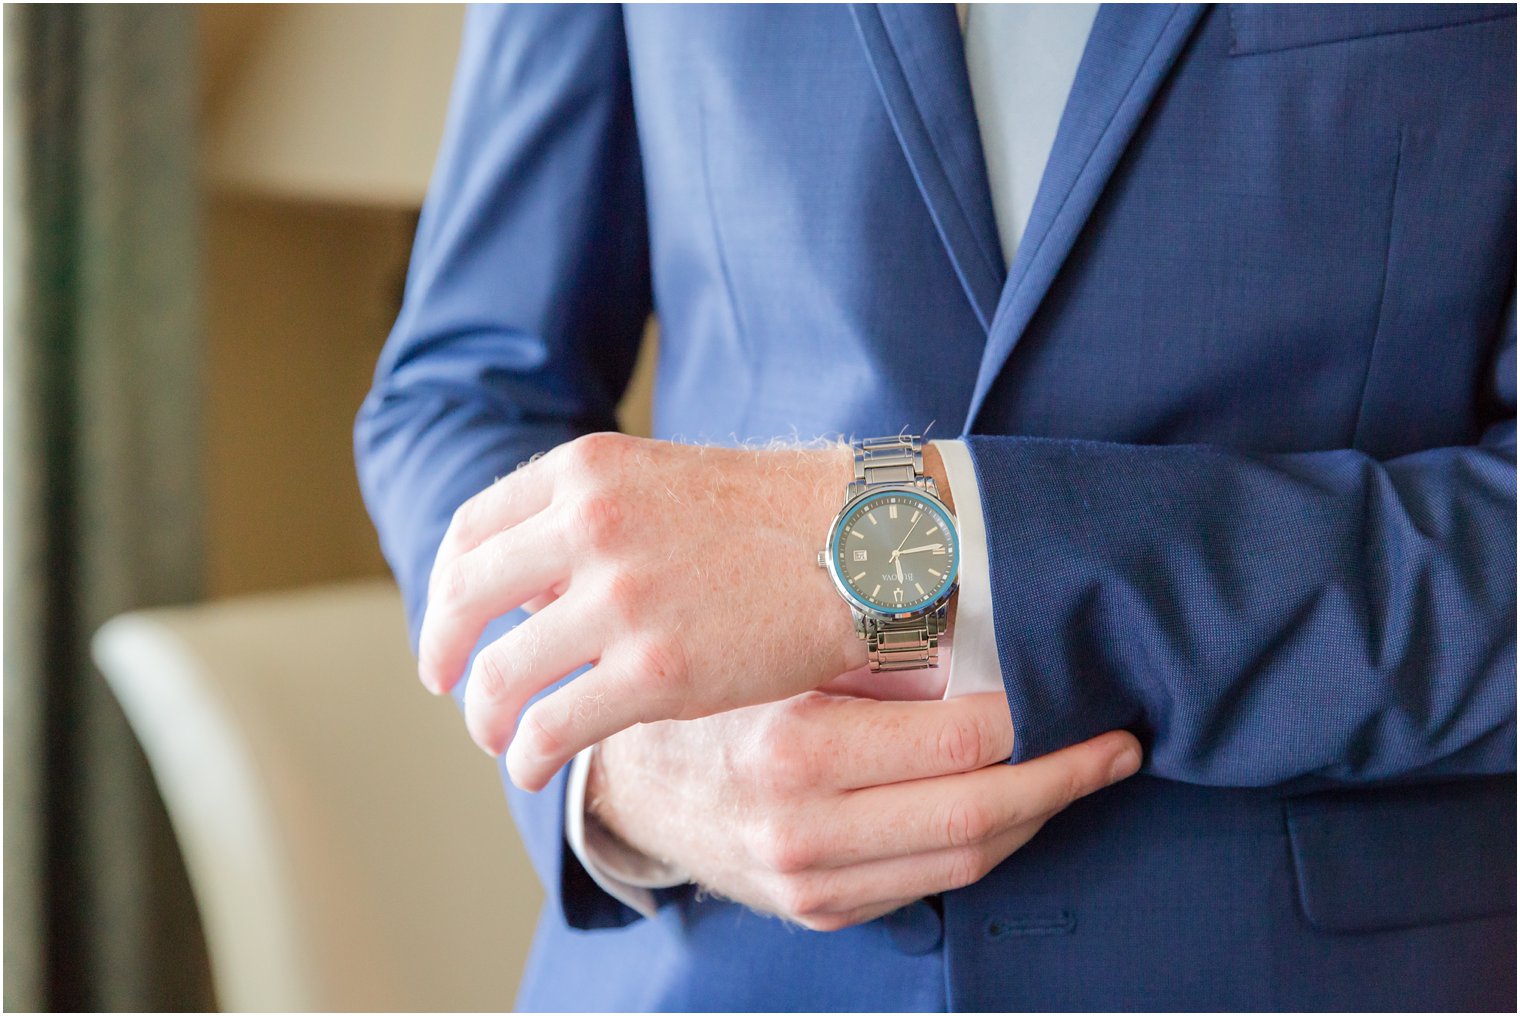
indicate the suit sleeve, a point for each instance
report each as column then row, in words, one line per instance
column 526, row 296
column 1257, row 619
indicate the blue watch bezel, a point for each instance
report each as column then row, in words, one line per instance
column 942, row 591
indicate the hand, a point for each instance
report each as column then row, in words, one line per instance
column 831, row 811
column 665, row 565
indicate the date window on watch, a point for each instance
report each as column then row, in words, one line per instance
column 860, row 555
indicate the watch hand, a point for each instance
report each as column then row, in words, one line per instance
column 915, row 550
column 905, row 539
column 898, row 561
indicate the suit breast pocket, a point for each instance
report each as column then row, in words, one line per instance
column 1373, row 860
column 1269, row 28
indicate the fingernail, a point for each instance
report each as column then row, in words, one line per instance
column 1126, row 764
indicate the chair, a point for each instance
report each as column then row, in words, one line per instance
column 348, row 847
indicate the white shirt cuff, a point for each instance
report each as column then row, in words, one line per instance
column 974, row 663
column 624, row 873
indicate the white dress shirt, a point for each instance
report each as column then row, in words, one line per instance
column 1021, row 60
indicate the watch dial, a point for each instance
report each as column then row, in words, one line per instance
column 896, row 552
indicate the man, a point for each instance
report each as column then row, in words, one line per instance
column 1236, row 384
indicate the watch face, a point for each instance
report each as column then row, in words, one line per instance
column 895, row 552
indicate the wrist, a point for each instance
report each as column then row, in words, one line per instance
column 883, row 463
column 601, row 804
column 837, row 472
column 934, row 468
column 627, row 872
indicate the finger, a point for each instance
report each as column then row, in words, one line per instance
column 860, row 915
column 870, row 743
column 966, row 809
column 844, row 895
column 514, row 668
column 865, row 914
column 637, row 686
column 481, row 585
column 512, row 499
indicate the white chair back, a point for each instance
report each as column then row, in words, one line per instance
column 349, row 848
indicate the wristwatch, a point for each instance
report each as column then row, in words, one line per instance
column 894, row 554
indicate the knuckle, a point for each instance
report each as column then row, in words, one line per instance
column 596, row 521
column 965, row 822
column 783, row 849
column 959, row 743
column 781, row 758
column 802, row 708
column 801, row 898
column 541, row 738
column 595, row 453
column 659, row 665
column 967, row 865
column 489, row 680
column 622, row 593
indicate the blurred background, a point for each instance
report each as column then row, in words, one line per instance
column 223, row 784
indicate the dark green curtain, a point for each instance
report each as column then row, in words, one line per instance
column 102, row 491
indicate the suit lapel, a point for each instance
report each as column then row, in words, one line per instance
column 918, row 60
column 1130, row 51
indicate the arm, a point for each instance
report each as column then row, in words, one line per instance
column 1259, row 618
column 528, row 290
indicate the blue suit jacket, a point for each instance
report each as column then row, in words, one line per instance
column 1242, row 412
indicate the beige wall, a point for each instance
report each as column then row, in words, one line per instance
column 301, row 297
